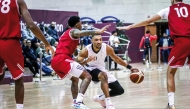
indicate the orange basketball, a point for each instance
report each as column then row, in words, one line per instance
column 136, row 76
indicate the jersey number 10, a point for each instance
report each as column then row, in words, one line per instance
column 182, row 12
column 5, row 8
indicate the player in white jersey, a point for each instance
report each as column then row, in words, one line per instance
column 92, row 57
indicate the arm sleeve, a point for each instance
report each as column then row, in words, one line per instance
column 153, row 37
column 164, row 13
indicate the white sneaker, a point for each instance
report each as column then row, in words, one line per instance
column 37, row 75
column 110, row 106
column 102, row 103
column 79, row 105
column 74, row 103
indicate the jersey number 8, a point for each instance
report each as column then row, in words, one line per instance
column 5, row 8
column 182, row 12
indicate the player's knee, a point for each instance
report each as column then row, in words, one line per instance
column 120, row 91
column 19, row 81
column 88, row 76
column 102, row 76
column 74, row 80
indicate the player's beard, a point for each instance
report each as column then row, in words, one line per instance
column 98, row 46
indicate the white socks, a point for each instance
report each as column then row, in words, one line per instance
column 108, row 101
column 171, row 98
column 19, row 106
column 79, row 97
column 102, row 97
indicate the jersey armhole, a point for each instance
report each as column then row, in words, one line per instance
column 16, row 1
column 72, row 37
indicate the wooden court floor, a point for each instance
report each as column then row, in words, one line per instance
column 150, row 94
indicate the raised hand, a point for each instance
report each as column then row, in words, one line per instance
column 124, row 28
column 103, row 29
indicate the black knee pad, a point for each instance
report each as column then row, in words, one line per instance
column 116, row 88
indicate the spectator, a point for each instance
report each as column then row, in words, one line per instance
column 27, row 33
column 23, row 44
column 44, row 30
column 46, row 58
column 31, row 59
column 146, row 44
column 114, row 41
column 165, row 41
column 53, row 32
column 54, row 47
column 35, row 43
column 46, row 70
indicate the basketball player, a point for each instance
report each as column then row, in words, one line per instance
column 97, row 70
column 179, row 21
column 65, row 66
column 10, row 49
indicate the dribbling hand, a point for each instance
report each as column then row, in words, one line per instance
column 91, row 58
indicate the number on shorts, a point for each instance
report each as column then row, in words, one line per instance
column 182, row 12
column 5, row 8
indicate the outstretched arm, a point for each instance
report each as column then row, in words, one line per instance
column 30, row 23
column 142, row 23
column 76, row 33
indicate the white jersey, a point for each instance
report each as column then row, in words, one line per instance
column 99, row 62
column 100, row 56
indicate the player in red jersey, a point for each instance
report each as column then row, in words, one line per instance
column 65, row 66
column 179, row 21
column 10, row 48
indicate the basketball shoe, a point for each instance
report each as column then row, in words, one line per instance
column 97, row 99
column 170, row 107
column 79, row 105
column 110, row 106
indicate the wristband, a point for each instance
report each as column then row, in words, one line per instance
column 84, row 60
column 129, row 67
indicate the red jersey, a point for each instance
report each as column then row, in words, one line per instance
column 9, row 19
column 67, row 45
column 178, row 19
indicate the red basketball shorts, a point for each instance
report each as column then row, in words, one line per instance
column 11, row 55
column 180, row 52
column 64, row 66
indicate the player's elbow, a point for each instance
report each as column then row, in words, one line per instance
column 31, row 25
column 148, row 21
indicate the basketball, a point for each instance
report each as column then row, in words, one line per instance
column 137, row 76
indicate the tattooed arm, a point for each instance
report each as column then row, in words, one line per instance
column 76, row 33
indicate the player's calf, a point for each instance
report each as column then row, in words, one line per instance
column 19, row 93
